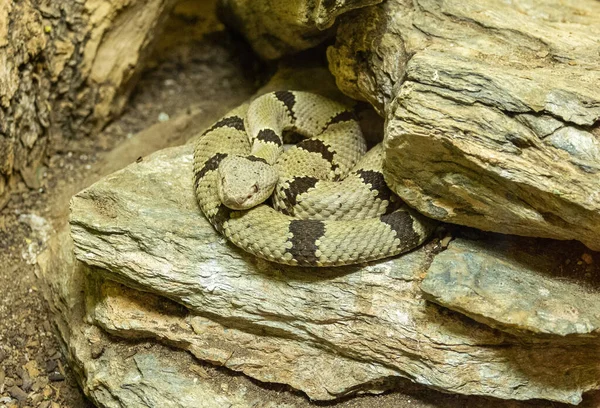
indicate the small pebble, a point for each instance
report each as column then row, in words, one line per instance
column 45, row 404
column 36, row 399
column 51, row 365
column 96, row 350
column 163, row 117
column 27, row 382
column 446, row 241
column 17, row 393
column 47, row 392
column 56, row 376
column 39, row 383
column 587, row 258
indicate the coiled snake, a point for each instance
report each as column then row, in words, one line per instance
column 317, row 220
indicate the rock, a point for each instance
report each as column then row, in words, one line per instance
column 275, row 28
column 26, row 381
column 32, row 369
column 56, row 376
column 141, row 227
column 323, row 376
column 489, row 124
column 51, row 365
column 120, row 373
column 160, row 374
column 114, row 380
column 523, row 286
column 17, row 393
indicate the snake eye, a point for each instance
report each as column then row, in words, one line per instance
column 253, row 191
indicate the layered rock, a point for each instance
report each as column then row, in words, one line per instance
column 347, row 330
column 492, row 110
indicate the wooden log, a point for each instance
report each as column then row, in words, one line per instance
column 66, row 68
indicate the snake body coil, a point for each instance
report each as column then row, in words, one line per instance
column 319, row 220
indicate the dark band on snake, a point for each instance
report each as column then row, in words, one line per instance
column 401, row 223
column 269, row 136
column 297, row 186
column 305, row 234
column 343, row 116
column 234, row 122
column 288, row 99
column 377, row 183
column 317, row 146
column 209, row 165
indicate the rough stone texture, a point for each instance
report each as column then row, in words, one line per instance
column 141, row 227
column 67, row 68
column 130, row 374
column 522, row 286
column 492, row 109
column 276, row 28
column 134, row 373
column 323, row 376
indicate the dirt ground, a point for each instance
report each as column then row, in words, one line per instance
column 33, row 372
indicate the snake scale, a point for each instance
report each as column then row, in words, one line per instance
column 330, row 205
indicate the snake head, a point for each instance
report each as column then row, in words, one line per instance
column 244, row 183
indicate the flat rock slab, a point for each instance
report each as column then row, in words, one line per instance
column 492, row 109
column 141, row 227
column 522, row 286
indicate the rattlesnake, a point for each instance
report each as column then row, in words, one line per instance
column 237, row 161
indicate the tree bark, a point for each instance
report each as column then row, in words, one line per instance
column 66, row 68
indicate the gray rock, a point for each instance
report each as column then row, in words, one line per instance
column 524, row 286
column 141, row 227
column 490, row 124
